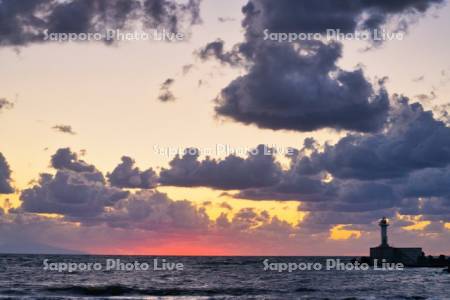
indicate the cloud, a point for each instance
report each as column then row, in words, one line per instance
column 152, row 211
column 28, row 233
column 435, row 209
column 226, row 206
column 322, row 221
column 373, row 174
column 64, row 158
column 442, row 113
column 380, row 173
column 399, row 165
column 216, row 50
column 426, row 97
column 85, row 198
column 187, row 68
column 317, row 17
column 79, row 193
column 257, row 170
column 172, row 15
column 23, row 23
column 89, row 207
column 5, row 176
column 419, row 78
column 64, row 129
column 225, row 19
column 413, row 140
column 404, row 169
column 317, row 194
column 249, row 232
column 127, row 176
column 287, row 90
column 292, row 188
column 5, row 104
column 166, row 94
column 145, row 222
column 430, row 182
column 79, row 196
column 299, row 86
column 355, row 196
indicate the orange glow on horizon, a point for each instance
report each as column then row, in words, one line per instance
column 181, row 247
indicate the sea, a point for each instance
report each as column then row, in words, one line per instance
column 159, row 277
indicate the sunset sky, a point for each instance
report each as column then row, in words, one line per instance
column 84, row 126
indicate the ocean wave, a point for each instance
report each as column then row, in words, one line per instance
column 120, row 290
column 11, row 292
column 230, row 263
column 305, row 289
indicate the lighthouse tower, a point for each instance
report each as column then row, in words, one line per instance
column 383, row 225
column 407, row 256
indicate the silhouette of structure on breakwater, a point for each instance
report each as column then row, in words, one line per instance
column 411, row 257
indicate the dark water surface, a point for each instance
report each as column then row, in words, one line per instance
column 24, row 277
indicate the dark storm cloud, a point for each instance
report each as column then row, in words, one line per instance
column 83, row 195
column 287, row 90
column 5, row 176
column 125, row 175
column 298, row 86
column 414, row 140
column 5, row 104
column 64, row 129
column 292, row 187
column 86, row 198
column 165, row 94
column 72, row 194
column 257, row 170
column 354, row 196
column 170, row 14
column 317, row 193
column 435, row 209
column 89, row 16
column 378, row 174
column 431, row 208
column 294, row 183
column 24, row 22
column 373, row 174
column 318, row 16
column 428, row 183
column 151, row 210
column 64, row 158
column 323, row 221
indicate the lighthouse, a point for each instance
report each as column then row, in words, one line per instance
column 407, row 256
column 384, row 225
